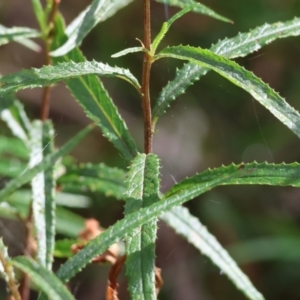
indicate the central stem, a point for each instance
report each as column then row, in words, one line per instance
column 146, row 102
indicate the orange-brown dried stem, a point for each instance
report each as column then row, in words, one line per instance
column 112, row 284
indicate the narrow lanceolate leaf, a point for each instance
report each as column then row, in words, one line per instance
column 166, row 26
column 13, row 156
column 242, row 78
column 95, row 178
column 16, row 34
column 98, row 11
column 284, row 174
column 142, row 191
column 241, row 45
column 200, row 8
column 252, row 173
column 39, row 14
column 191, row 229
column 128, row 50
column 91, row 95
column 48, row 161
column 13, row 146
column 48, row 75
column 13, row 114
column 49, row 189
column 43, row 189
column 120, row 229
column 38, row 191
column 43, row 278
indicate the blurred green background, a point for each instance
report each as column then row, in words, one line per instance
column 213, row 123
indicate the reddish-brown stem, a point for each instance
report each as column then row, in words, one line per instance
column 24, row 284
column 146, row 102
column 46, row 93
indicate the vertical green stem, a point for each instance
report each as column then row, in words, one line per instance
column 146, row 102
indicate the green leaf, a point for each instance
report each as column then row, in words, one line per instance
column 40, row 15
column 47, row 162
column 43, row 278
column 11, row 167
column 43, row 192
column 200, row 8
column 242, row 78
column 16, row 34
column 166, row 25
column 63, row 248
column 91, row 95
column 142, row 191
column 98, row 11
column 23, row 196
column 14, row 147
column 13, row 114
column 128, row 50
column 94, row 178
column 240, row 45
column 67, row 222
column 191, row 229
column 283, row 174
column 48, row 75
column 120, row 229
column 249, row 42
column 252, row 173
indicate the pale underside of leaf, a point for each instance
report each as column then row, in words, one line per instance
column 17, row 34
column 13, row 114
column 14, row 126
column 43, row 192
column 284, row 175
column 38, row 191
column 48, row 75
column 128, row 50
column 242, row 78
column 98, row 11
column 192, row 230
column 238, row 46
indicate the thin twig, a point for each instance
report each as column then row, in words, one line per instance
column 146, row 102
column 24, row 284
column 11, row 281
column 45, row 108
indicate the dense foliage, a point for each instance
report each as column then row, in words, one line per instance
column 43, row 183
